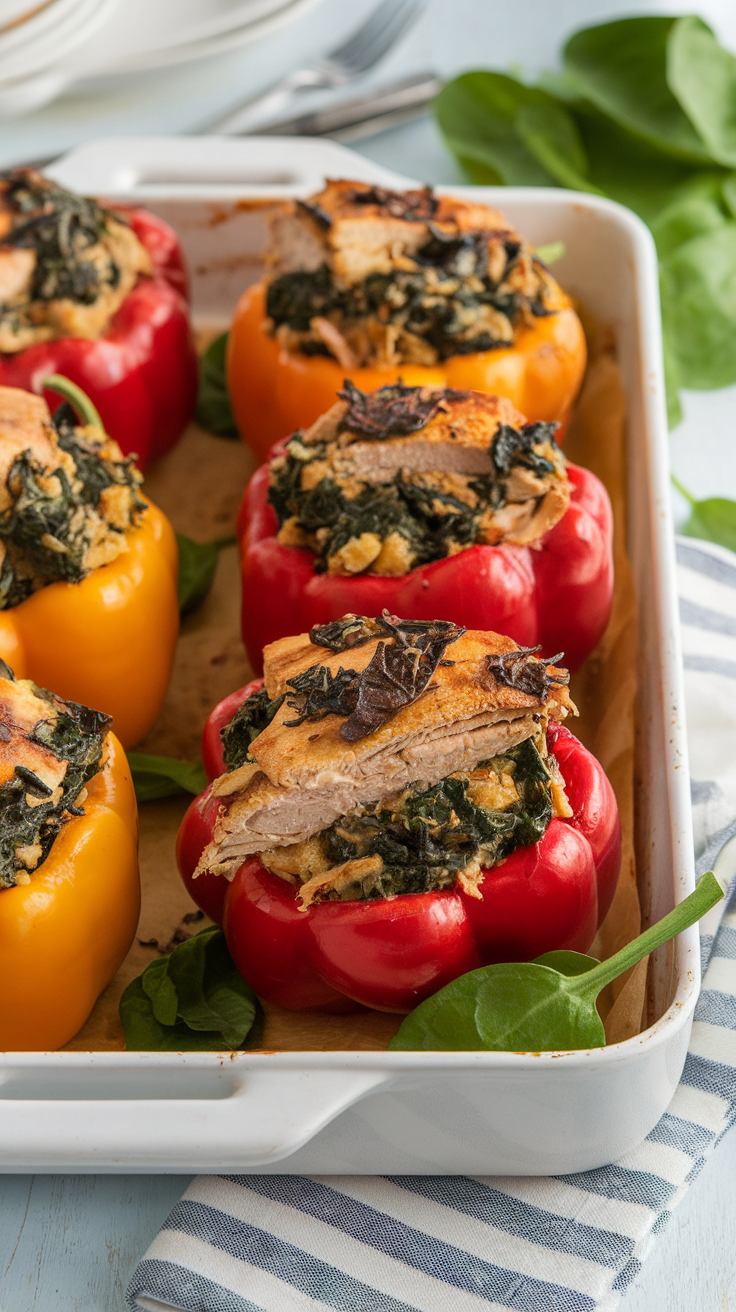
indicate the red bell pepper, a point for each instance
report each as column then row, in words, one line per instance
column 556, row 593
column 390, row 954
column 141, row 374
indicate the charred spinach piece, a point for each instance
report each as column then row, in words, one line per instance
column 249, row 721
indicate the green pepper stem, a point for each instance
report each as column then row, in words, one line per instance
column 75, row 396
column 683, row 490
column 705, row 896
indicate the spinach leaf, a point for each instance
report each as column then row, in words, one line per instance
column 551, row 252
column 214, row 410
column 197, row 565
column 192, row 1000
column 702, row 76
column 714, row 520
column 690, row 216
column 155, row 777
column 698, row 289
column 551, row 135
column 548, row 1005
column 622, row 69
column 476, row 114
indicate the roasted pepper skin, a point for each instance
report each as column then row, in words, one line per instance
column 108, row 641
column 557, row 593
column 390, row 954
column 274, row 391
column 141, row 374
column 64, row 935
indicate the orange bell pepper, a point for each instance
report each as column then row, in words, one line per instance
column 108, row 641
column 64, row 934
column 273, row 391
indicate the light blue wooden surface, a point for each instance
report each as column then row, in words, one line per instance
column 69, row 1243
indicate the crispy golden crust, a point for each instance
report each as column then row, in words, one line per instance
column 21, row 710
column 359, row 229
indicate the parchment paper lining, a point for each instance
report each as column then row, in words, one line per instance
column 199, row 486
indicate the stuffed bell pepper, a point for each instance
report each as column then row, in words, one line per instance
column 378, row 286
column 88, row 566
column 427, row 501
column 98, row 295
column 401, row 804
column 69, row 890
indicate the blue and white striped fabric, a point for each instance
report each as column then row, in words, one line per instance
column 428, row 1244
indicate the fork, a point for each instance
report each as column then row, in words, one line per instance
column 362, row 50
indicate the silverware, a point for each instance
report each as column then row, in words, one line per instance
column 386, row 107
column 348, row 61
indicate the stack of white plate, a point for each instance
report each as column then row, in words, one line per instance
column 53, row 45
column 37, row 37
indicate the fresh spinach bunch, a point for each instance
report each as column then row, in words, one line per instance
column 642, row 112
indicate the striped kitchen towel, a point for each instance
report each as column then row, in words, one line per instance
column 428, row 1244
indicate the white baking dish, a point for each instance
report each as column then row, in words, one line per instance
column 484, row 1113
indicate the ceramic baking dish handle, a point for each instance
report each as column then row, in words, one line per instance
column 249, row 1119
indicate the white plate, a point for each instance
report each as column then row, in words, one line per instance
column 49, row 38
column 141, row 38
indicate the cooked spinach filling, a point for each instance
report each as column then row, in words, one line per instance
column 433, row 836
column 249, row 721
column 431, row 520
column 61, row 228
column 56, row 516
column 31, row 813
column 445, row 300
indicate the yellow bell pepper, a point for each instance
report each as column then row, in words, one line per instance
column 64, row 934
column 107, row 641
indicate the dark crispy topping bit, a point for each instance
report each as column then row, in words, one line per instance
column 429, row 838
column 72, row 733
column 249, row 721
column 398, row 672
column 61, row 228
column 524, row 671
column 342, row 635
column 515, row 446
column 320, row 216
column 415, row 206
column 317, row 693
column 393, row 411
